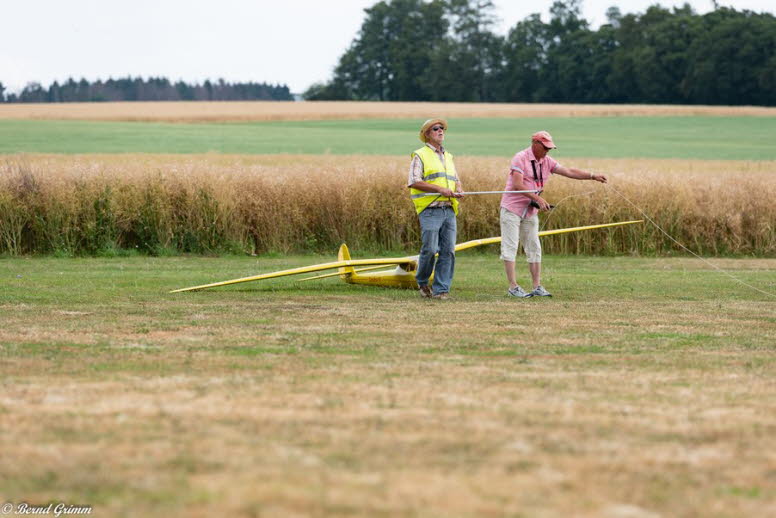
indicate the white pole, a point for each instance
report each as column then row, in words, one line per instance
column 483, row 192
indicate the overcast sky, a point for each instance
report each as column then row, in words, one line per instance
column 293, row 42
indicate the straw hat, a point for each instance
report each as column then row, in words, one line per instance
column 427, row 125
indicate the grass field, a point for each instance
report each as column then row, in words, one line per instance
column 643, row 388
column 691, row 137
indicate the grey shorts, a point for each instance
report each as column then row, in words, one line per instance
column 516, row 230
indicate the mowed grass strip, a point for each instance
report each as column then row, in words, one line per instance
column 643, row 387
column 691, row 137
column 220, row 111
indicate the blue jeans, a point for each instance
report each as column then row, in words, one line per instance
column 437, row 232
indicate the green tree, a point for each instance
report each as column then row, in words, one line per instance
column 649, row 60
column 525, row 54
column 564, row 73
column 33, row 93
column 389, row 57
column 732, row 59
column 766, row 79
column 468, row 65
column 662, row 54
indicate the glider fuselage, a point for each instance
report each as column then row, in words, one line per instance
column 403, row 276
column 396, row 278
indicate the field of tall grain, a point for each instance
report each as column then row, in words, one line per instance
column 160, row 204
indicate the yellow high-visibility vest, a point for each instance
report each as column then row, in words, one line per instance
column 434, row 173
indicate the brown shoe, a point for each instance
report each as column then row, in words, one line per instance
column 425, row 292
column 441, row 296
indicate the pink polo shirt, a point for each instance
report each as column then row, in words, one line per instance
column 534, row 174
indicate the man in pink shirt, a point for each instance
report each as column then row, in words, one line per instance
column 531, row 168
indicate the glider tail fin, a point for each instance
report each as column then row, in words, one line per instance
column 346, row 272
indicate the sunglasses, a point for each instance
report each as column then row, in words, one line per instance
column 437, row 128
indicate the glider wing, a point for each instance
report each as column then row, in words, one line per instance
column 588, row 227
column 493, row 240
column 306, row 269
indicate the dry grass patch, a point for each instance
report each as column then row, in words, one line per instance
column 329, row 110
column 437, row 437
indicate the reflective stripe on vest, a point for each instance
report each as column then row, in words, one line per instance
column 435, row 173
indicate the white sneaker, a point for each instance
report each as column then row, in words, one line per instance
column 540, row 292
column 518, row 292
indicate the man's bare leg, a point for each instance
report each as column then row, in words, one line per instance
column 536, row 273
column 509, row 268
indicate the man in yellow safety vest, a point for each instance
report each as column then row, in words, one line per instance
column 435, row 189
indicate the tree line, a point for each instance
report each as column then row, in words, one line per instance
column 151, row 89
column 445, row 50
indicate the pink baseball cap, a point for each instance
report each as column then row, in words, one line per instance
column 545, row 138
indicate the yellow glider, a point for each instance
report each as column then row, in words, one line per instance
column 402, row 276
